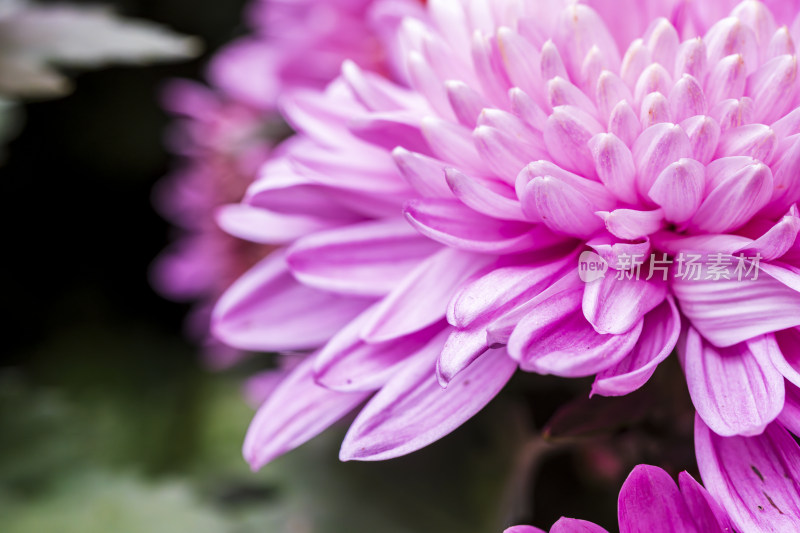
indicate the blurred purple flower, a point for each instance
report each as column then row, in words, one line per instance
column 223, row 135
column 433, row 231
column 221, row 142
column 302, row 43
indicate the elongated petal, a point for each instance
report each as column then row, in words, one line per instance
column 453, row 224
column 736, row 390
column 420, row 299
column 614, row 163
column 504, row 286
column 566, row 135
column 727, row 312
column 754, row 140
column 425, row 174
column 348, row 364
column 687, row 99
column 650, row 502
column 631, row 224
column 413, row 410
column 495, row 199
column 679, row 190
column 655, row 149
column 735, row 200
column 614, row 305
column 777, row 241
column 266, row 227
column 294, row 413
column 703, row 132
column 366, row 259
column 659, row 336
column 772, row 88
column 555, row 338
column 756, row 479
column 561, row 207
column 267, row 310
column 705, row 511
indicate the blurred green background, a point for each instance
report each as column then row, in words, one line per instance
column 109, row 422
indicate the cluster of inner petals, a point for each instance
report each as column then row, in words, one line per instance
column 695, row 137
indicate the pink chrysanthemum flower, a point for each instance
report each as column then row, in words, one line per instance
column 433, row 232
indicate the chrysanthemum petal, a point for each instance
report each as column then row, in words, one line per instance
column 736, row 390
column 756, row 479
column 453, row 224
column 650, row 501
column 413, row 410
column 659, row 336
column 420, row 299
column 367, row 259
column 268, row 310
column 294, row 413
column 615, row 304
column 679, row 190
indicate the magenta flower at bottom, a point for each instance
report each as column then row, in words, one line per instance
column 434, row 236
column 753, row 485
column 651, row 502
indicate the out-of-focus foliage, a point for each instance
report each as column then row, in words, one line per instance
column 35, row 39
column 85, row 459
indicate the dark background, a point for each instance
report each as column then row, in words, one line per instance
column 96, row 376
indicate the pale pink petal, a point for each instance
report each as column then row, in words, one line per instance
column 453, row 224
column 655, row 149
column 413, row 410
column 736, row 390
column 523, row 529
column 687, row 99
column 735, row 200
column 267, row 310
column 772, row 88
column 420, row 299
column 555, row 338
column 679, row 190
column 266, row 227
column 777, row 241
column 495, row 199
column 727, row 312
column 615, row 167
column 347, row 363
column 297, row 411
column 660, row 332
column 631, row 224
column 615, row 305
column 566, row 135
column 423, row 173
column 367, row 259
column 756, row 479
